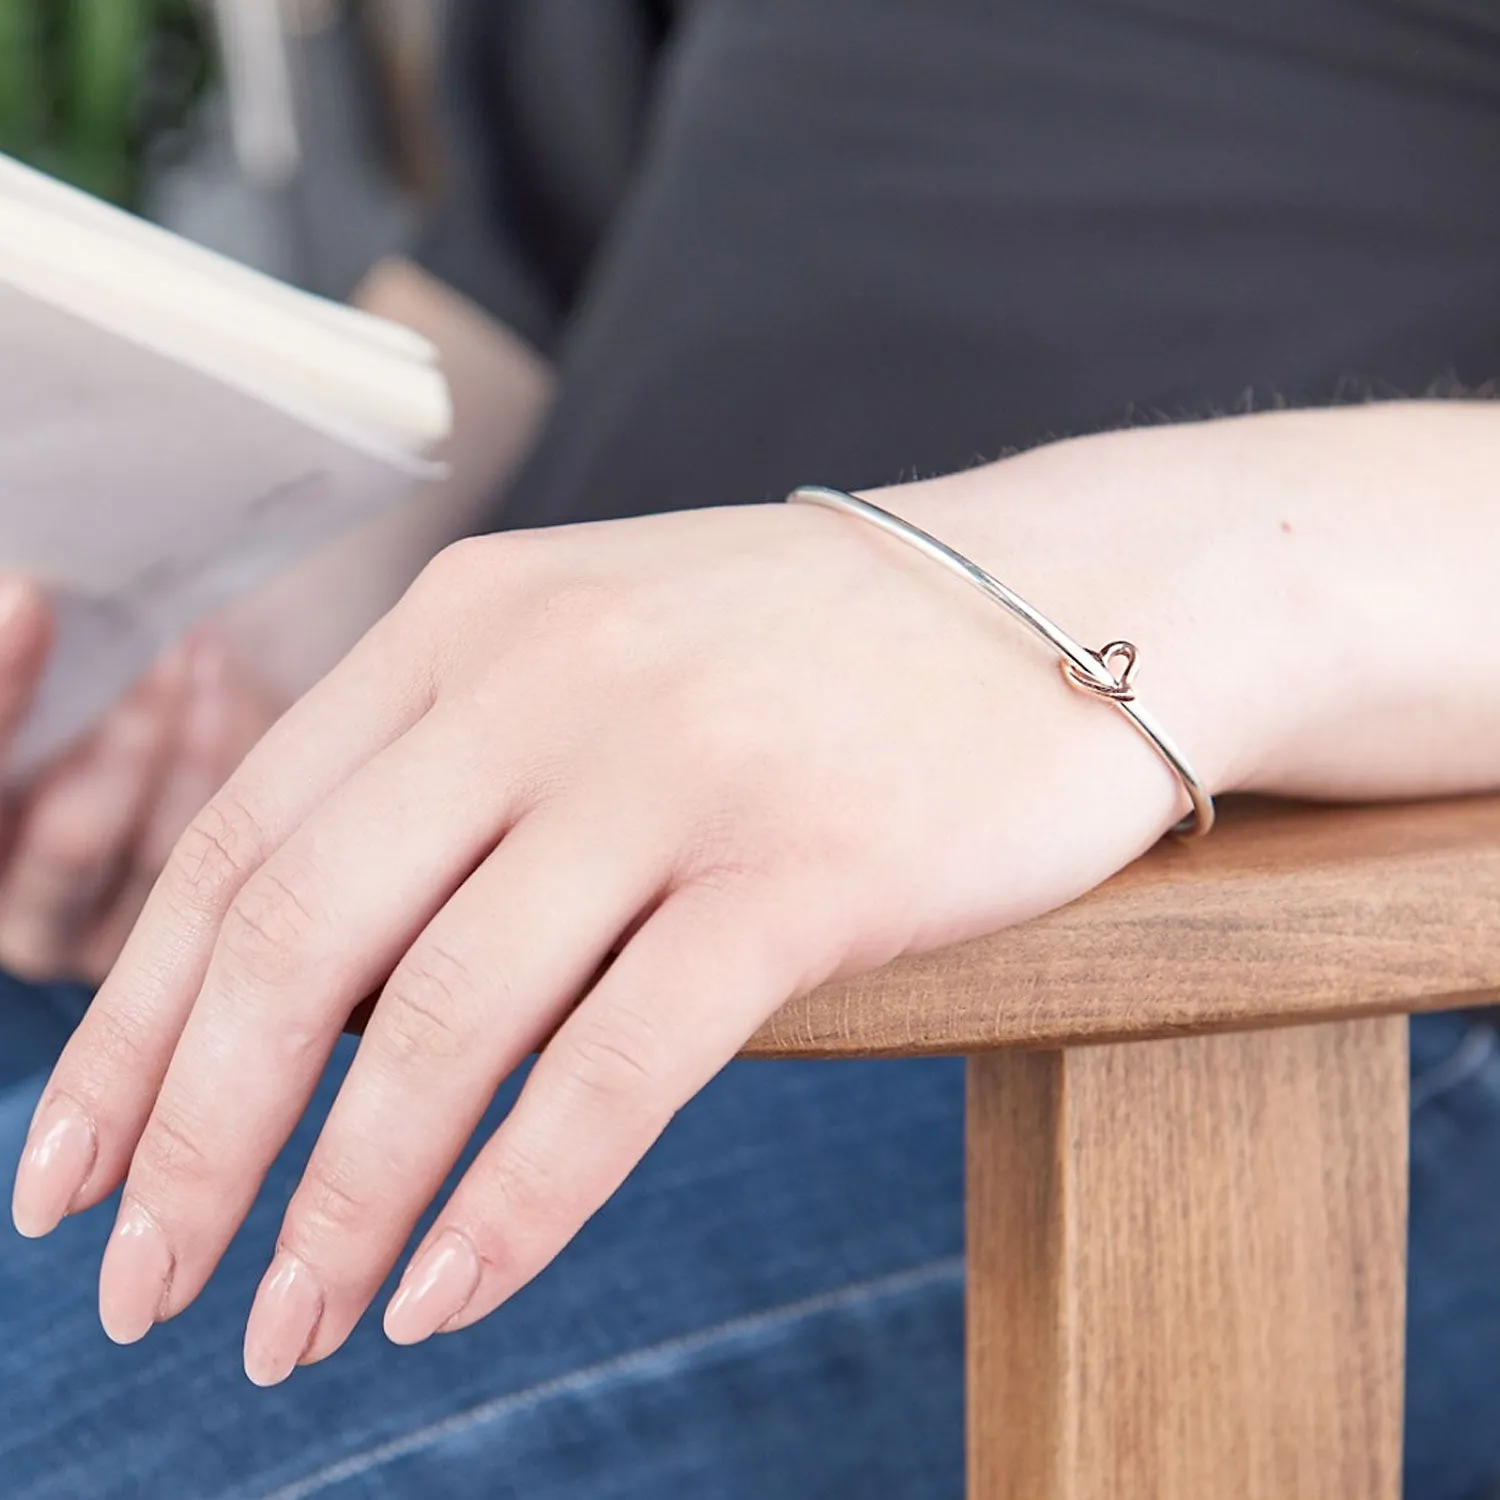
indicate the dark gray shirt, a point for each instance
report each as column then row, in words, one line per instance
column 774, row 241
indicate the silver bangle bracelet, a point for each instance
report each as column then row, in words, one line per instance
column 1106, row 673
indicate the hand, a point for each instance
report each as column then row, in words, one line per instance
column 616, row 792
column 84, row 842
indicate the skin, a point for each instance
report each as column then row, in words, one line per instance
column 634, row 785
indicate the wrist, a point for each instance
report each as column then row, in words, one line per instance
column 1311, row 592
column 1123, row 536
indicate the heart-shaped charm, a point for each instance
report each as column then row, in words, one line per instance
column 1120, row 652
column 1118, row 662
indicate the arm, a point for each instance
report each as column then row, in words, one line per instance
column 638, row 784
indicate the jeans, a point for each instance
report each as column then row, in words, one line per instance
column 771, row 1307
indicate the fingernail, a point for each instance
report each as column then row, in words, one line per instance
column 288, row 1308
column 134, row 1279
column 59, row 1156
column 437, row 1287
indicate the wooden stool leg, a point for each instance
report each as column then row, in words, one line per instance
column 1187, row 1268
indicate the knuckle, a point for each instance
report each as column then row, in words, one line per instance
column 270, row 930
column 430, row 1006
column 215, row 856
column 612, row 1058
column 467, row 564
column 524, row 1206
column 173, row 1151
column 330, row 1207
column 463, row 558
column 118, row 1038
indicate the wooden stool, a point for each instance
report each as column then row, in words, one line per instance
column 1187, row 1143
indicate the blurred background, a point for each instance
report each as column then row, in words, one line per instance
column 295, row 135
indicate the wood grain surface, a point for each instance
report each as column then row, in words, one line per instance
column 1284, row 914
column 1186, row 1268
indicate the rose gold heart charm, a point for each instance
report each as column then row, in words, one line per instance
column 1118, row 689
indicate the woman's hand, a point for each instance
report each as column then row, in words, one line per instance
column 620, row 791
column 82, row 844
column 616, row 792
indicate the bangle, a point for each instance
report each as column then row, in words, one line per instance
column 1106, row 674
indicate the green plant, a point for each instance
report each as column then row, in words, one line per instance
column 87, row 85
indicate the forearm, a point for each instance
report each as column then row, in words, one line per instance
column 1314, row 594
column 300, row 625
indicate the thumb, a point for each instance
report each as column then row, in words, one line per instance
column 25, row 638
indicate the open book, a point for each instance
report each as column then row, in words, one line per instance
column 174, row 429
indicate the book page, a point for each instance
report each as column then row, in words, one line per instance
column 268, row 346
column 67, row 206
column 146, row 495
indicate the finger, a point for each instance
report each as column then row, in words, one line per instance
column 211, row 736
column 25, row 639
column 318, row 927
column 687, row 992
column 486, row 982
column 103, row 1086
column 73, row 836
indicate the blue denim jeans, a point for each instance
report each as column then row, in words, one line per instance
column 772, row 1306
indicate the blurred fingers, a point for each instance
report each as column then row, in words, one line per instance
column 25, row 638
column 223, row 716
column 74, row 831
